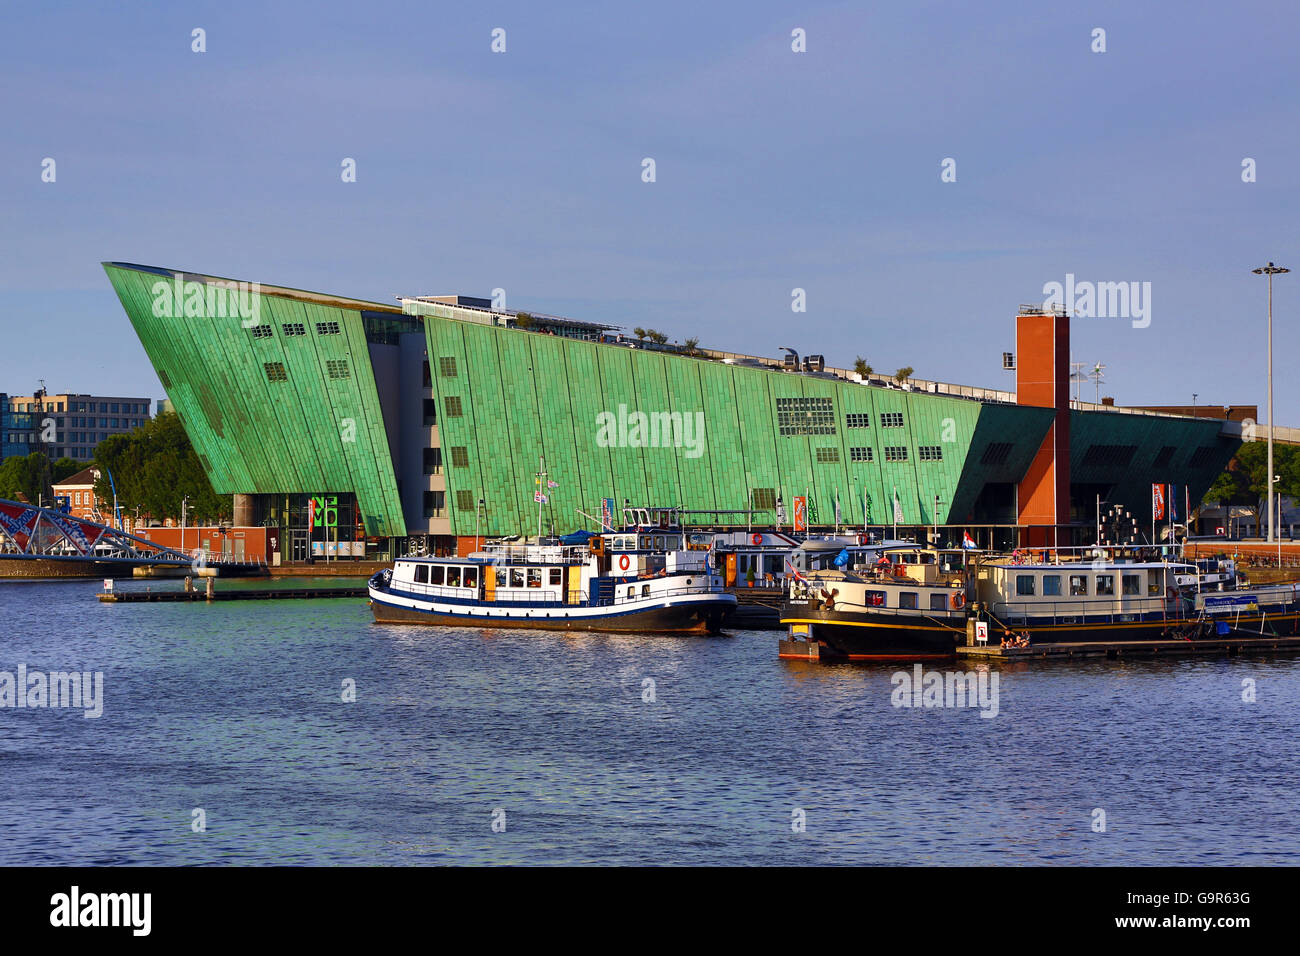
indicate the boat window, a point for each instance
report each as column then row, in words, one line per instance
column 453, row 577
column 1078, row 585
column 1024, row 584
column 659, row 542
column 503, row 577
column 1051, row 584
column 421, row 574
column 435, row 574
column 516, row 577
column 907, row 600
column 1153, row 581
column 534, row 577
column 470, row 578
column 873, row 598
column 1105, row 584
column 938, row 602
column 631, row 593
column 645, row 590
column 557, row 575
column 1132, row 584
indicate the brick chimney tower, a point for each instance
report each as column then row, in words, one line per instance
column 1043, row 381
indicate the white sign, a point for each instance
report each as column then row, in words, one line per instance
column 981, row 632
column 108, row 584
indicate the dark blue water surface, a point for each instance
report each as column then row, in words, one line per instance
column 235, row 708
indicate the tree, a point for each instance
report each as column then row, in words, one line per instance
column 524, row 321
column 1245, row 482
column 657, row 337
column 692, row 345
column 639, row 332
column 861, row 367
column 154, row 467
column 903, row 374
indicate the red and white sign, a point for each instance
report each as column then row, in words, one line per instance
column 801, row 513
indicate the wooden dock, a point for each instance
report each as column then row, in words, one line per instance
column 245, row 594
column 1220, row 646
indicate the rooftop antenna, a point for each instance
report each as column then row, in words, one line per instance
column 1078, row 378
column 1098, row 375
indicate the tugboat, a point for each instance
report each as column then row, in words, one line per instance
column 641, row 579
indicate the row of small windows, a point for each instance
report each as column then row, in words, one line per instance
column 447, row 366
column 857, row 420
column 891, row 419
column 895, row 453
column 1131, row 584
column 930, row 452
column 861, row 454
column 291, row 329
column 336, row 369
column 828, row 456
column 451, row 406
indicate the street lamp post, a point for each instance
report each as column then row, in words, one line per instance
column 1270, row 270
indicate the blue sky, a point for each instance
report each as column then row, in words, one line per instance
column 775, row 170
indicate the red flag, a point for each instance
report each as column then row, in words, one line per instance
column 1158, row 501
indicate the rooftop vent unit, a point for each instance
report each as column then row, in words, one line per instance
column 814, row 363
column 1008, row 360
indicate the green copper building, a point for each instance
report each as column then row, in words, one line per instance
column 429, row 419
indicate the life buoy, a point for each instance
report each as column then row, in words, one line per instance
column 624, row 562
column 756, row 539
column 958, row 601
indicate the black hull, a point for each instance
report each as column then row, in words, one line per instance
column 858, row 636
column 675, row 619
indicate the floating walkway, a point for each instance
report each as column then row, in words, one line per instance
column 1229, row 646
column 246, row 594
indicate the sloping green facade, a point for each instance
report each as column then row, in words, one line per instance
column 316, row 429
column 507, row 397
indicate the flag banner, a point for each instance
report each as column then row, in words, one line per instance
column 794, row 572
column 1173, row 503
column 540, row 498
column 552, row 484
column 967, row 541
column 607, row 514
column 780, row 511
column 1158, row 501
column 801, row 513
column 866, row 507
column 18, row 522
column 898, row 509
column 311, row 513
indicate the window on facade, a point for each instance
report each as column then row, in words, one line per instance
column 427, row 379
column 557, row 576
column 805, row 416
column 430, row 413
column 891, row 419
column 451, row 406
column 464, row 500
column 433, row 461
column 293, row 328
column 1025, row 584
column 261, row 331
column 459, row 457
column 764, row 499
column 938, row 602
column 435, row 504
column 274, row 373
column 327, row 328
column 447, row 366
column 895, row 453
column 907, row 600
column 1051, row 584
column 930, row 452
column 828, row 456
column 857, row 420
column 861, row 454
column 337, row 368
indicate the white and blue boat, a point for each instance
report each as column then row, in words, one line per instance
column 641, row 579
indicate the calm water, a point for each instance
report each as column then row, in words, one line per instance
column 236, row 708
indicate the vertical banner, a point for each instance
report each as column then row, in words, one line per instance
column 607, row 514
column 311, row 515
column 1157, row 502
column 801, row 513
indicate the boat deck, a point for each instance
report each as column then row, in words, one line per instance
column 1222, row 646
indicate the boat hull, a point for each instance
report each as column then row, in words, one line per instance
column 863, row 636
column 703, row 614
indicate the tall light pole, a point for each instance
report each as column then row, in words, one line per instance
column 1270, row 270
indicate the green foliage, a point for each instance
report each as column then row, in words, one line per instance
column 903, row 374
column 22, row 476
column 691, row 344
column 1245, row 481
column 639, row 332
column 657, row 337
column 861, row 367
column 154, row 467
column 524, row 321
